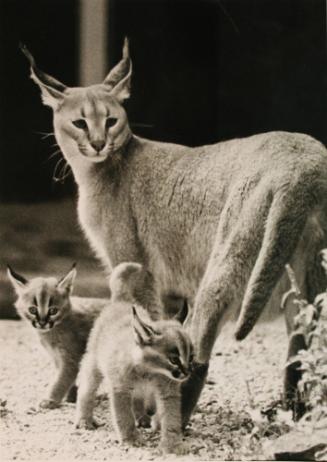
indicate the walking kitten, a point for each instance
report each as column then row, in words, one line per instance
column 136, row 357
column 63, row 324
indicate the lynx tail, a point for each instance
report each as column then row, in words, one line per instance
column 120, row 280
column 285, row 223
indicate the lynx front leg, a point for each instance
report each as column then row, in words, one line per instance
column 88, row 382
column 215, row 296
column 209, row 309
column 221, row 289
column 121, row 406
column 65, row 378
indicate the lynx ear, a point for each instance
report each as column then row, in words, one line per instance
column 18, row 281
column 182, row 313
column 66, row 283
column 143, row 333
column 119, row 78
column 51, row 89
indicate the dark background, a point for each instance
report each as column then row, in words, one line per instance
column 204, row 71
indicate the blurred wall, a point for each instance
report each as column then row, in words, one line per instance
column 204, row 70
column 50, row 29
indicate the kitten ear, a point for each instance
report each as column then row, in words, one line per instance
column 143, row 333
column 18, row 281
column 118, row 80
column 182, row 313
column 66, row 283
column 51, row 89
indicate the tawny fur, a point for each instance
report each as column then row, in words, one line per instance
column 66, row 340
column 215, row 224
column 138, row 359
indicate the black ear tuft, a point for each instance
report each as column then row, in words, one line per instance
column 144, row 333
column 183, row 312
column 23, row 48
column 16, row 276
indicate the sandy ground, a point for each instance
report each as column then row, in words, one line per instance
column 220, row 428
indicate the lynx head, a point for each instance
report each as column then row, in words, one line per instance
column 89, row 122
column 43, row 301
column 165, row 347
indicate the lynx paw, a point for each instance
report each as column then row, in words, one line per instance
column 87, row 424
column 48, row 404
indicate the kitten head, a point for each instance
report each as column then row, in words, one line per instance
column 44, row 302
column 165, row 346
column 89, row 122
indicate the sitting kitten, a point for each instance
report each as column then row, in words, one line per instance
column 63, row 324
column 136, row 357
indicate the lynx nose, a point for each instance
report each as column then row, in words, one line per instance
column 98, row 145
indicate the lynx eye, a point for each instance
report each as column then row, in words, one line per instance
column 111, row 121
column 53, row 311
column 32, row 310
column 80, row 123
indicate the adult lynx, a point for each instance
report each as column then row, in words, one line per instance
column 215, row 224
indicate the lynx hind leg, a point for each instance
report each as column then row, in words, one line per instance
column 122, row 414
column 89, row 379
column 311, row 279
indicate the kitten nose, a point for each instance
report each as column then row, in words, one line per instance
column 98, row 145
column 42, row 322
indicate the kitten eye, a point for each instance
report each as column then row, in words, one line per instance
column 32, row 310
column 174, row 360
column 80, row 123
column 53, row 311
column 111, row 121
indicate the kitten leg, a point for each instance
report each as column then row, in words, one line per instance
column 72, row 394
column 139, row 412
column 88, row 382
column 65, row 378
column 168, row 401
column 121, row 406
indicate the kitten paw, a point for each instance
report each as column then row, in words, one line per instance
column 177, row 448
column 135, row 440
column 48, row 404
column 155, row 424
column 87, row 424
